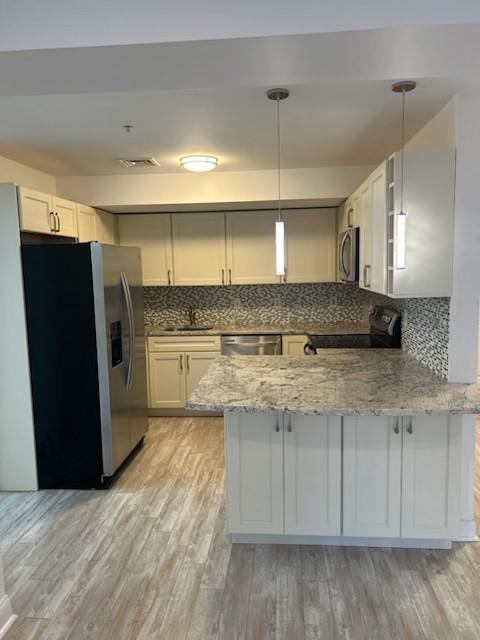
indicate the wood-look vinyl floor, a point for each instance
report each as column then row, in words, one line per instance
column 149, row 559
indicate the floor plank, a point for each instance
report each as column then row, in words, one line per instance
column 150, row 559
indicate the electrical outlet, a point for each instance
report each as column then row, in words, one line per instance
column 237, row 302
column 277, row 301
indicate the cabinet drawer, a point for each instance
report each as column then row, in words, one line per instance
column 184, row 343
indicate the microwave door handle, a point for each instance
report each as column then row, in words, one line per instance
column 342, row 264
column 131, row 328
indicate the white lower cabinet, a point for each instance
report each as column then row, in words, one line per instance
column 372, row 459
column 313, row 475
column 431, row 472
column 167, row 380
column 283, row 474
column 293, row 345
column 254, row 454
column 401, row 476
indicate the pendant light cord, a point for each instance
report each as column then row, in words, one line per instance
column 403, row 151
column 278, row 159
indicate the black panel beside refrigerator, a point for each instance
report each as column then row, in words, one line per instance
column 84, row 308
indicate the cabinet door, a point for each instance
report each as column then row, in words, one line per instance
column 365, row 216
column 86, row 223
column 106, row 228
column 152, row 233
column 378, row 204
column 198, row 248
column 35, row 210
column 371, row 476
column 254, row 451
column 431, row 472
column 196, row 366
column 67, row 217
column 167, row 380
column 293, row 345
column 251, row 247
column 313, row 482
column 310, row 245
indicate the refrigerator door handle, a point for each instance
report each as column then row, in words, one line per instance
column 131, row 328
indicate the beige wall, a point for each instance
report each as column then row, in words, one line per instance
column 11, row 171
column 438, row 133
column 215, row 187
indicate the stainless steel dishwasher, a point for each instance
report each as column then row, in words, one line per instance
column 252, row 345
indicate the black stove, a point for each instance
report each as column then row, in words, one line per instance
column 385, row 333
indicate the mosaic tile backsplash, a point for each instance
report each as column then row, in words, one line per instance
column 424, row 332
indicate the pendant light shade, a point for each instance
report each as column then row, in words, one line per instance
column 278, row 95
column 401, row 217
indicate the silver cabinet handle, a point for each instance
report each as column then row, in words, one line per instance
column 366, row 269
column 230, row 276
column 169, row 276
column 396, row 428
column 181, row 363
column 289, row 428
column 188, row 361
column 277, row 426
column 53, row 222
column 223, row 276
column 58, row 220
column 410, row 426
column 349, row 219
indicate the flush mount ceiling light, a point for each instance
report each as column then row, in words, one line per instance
column 278, row 95
column 199, row 163
column 403, row 87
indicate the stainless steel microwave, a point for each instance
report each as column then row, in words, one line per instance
column 348, row 254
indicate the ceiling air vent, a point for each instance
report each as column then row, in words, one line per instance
column 138, row 162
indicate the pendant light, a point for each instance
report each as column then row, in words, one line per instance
column 403, row 87
column 278, row 95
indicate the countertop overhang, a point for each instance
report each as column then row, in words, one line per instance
column 338, row 382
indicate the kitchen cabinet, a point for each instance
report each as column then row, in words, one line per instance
column 43, row 213
column 431, row 469
column 371, row 477
column 400, row 476
column 167, row 380
column 106, row 228
column 199, row 248
column 66, row 212
column 86, row 223
column 176, row 365
column 152, row 233
column 311, row 244
column 35, row 211
column 373, row 236
column 250, row 238
column 420, row 252
column 283, row 473
column 254, row 451
column 293, row 345
column 313, row 477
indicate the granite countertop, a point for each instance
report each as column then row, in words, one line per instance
column 298, row 328
column 337, row 382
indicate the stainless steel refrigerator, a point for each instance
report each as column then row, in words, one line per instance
column 84, row 307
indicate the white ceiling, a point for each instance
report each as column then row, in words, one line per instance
column 331, row 124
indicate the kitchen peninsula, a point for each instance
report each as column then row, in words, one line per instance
column 353, row 447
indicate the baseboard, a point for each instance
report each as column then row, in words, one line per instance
column 341, row 541
column 467, row 531
column 7, row 618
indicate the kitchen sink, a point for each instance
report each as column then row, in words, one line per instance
column 190, row 327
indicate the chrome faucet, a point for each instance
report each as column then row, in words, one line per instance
column 192, row 316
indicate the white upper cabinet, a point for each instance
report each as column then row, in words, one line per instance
column 426, row 240
column 66, row 212
column 43, row 213
column 86, row 223
column 36, row 211
column 106, row 228
column 310, row 245
column 372, row 204
column 251, row 247
column 198, row 241
column 152, row 233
